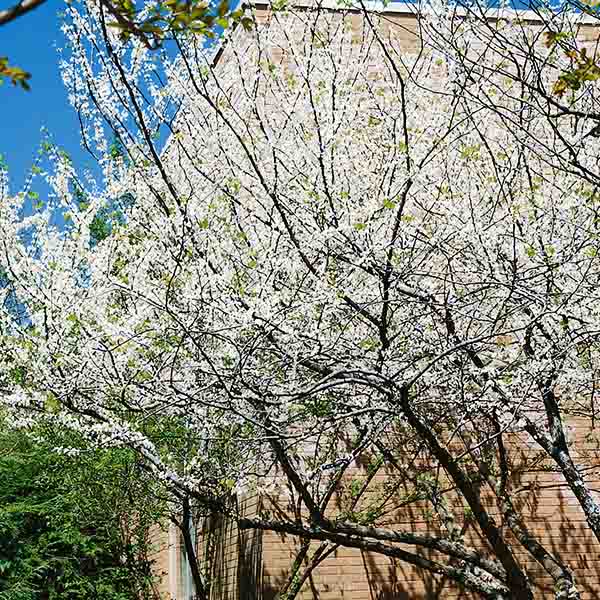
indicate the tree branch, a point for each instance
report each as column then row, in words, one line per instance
column 18, row 10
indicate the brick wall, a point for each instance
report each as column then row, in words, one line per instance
column 251, row 565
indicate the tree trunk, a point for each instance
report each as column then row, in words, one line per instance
column 516, row 579
column 190, row 551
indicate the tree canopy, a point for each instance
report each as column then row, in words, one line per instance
column 348, row 248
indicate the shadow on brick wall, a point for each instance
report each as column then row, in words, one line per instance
column 253, row 565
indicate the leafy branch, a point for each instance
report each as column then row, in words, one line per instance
column 16, row 75
column 163, row 21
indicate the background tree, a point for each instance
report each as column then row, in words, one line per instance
column 75, row 522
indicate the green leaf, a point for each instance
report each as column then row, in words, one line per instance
column 470, row 152
column 16, row 75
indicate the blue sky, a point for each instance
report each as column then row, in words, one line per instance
column 30, row 42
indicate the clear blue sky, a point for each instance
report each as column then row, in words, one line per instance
column 30, row 42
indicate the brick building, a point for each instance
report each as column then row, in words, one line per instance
column 253, row 565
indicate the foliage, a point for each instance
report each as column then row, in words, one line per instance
column 149, row 22
column 167, row 19
column 72, row 525
column 583, row 68
column 16, row 75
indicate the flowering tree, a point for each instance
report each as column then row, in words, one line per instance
column 354, row 248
